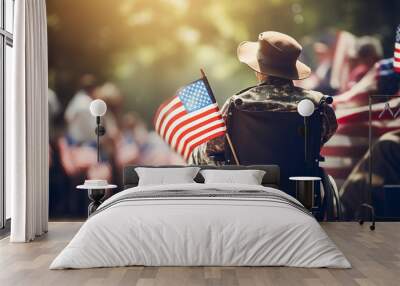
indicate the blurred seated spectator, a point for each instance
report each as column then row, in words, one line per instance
column 324, row 51
column 80, row 123
column 112, row 96
column 77, row 150
column 127, row 146
column 54, row 111
column 137, row 145
column 100, row 171
column 345, row 50
column 380, row 79
column 368, row 52
column 74, row 153
column 76, row 159
column 334, row 53
column 157, row 152
column 152, row 149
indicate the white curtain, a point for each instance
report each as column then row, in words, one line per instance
column 27, row 124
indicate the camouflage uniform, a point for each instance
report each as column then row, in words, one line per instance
column 275, row 94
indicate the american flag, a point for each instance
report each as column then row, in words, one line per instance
column 396, row 63
column 190, row 118
column 345, row 42
column 350, row 142
column 381, row 79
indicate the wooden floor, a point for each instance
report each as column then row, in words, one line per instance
column 375, row 257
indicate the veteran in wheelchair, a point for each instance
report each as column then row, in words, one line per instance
column 262, row 120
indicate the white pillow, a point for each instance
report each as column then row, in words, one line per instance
column 248, row 177
column 163, row 176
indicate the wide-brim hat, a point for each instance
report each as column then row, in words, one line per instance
column 274, row 54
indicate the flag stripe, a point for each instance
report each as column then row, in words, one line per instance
column 180, row 123
column 190, row 126
column 171, row 117
column 158, row 112
column 396, row 62
column 342, row 140
column 338, row 173
column 191, row 135
column 185, row 146
column 202, row 139
column 343, row 151
column 361, row 129
column 183, row 135
column 361, row 114
column 189, row 122
column 164, row 111
column 364, row 116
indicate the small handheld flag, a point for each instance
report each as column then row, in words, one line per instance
column 190, row 118
column 396, row 62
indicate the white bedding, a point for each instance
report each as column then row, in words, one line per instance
column 183, row 231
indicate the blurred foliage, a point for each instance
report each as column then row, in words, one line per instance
column 152, row 47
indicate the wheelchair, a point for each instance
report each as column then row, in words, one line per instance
column 278, row 137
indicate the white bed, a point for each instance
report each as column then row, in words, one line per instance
column 250, row 225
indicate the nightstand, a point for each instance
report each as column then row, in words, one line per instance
column 305, row 187
column 96, row 194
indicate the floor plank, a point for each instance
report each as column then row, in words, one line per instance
column 375, row 257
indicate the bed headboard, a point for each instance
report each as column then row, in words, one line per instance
column 271, row 177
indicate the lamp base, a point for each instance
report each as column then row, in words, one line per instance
column 100, row 130
column 96, row 197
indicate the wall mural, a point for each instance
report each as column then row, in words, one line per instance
column 143, row 60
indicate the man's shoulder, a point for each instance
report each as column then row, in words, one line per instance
column 313, row 95
column 252, row 93
column 310, row 91
column 285, row 89
column 245, row 90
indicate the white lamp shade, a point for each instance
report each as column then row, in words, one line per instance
column 305, row 108
column 98, row 107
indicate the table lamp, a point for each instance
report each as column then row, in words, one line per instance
column 98, row 108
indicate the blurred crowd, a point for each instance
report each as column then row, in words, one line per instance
column 353, row 70
column 73, row 146
column 350, row 68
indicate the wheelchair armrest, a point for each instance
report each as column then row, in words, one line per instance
column 326, row 99
column 238, row 101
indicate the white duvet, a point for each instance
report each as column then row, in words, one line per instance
column 200, row 231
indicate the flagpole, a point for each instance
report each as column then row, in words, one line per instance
column 228, row 138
